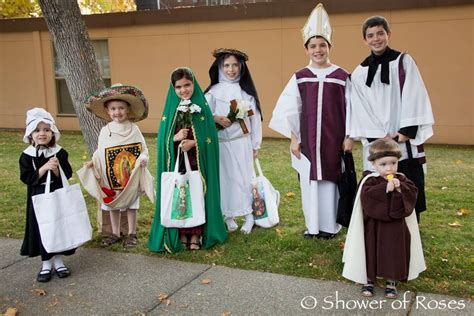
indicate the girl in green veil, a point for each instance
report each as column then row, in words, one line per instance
column 201, row 142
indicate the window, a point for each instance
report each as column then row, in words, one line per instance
column 101, row 51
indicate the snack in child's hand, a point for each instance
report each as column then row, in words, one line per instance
column 390, row 177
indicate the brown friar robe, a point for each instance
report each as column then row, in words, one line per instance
column 387, row 238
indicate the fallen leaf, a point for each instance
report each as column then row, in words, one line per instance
column 459, row 162
column 39, row 292
column 444, row 188
column 54, row 302
column 462, row 212
column 11, row 311
column 455, row 224
column 444, row 259
column 341, row 245
column 250, row 258
column 206, row 281
column 225, row 314
column 163, row 297
column 279, row 232
column 290, row 194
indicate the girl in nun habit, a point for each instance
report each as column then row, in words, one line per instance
column 239, row 141
column 42, row 155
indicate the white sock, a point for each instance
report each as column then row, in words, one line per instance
column 47, row 265
column 231, row 224
column 247, row 226
column 58, row 262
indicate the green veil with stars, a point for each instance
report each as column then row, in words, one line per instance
column 207, row 150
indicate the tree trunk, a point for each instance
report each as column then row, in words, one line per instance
column 76, row 56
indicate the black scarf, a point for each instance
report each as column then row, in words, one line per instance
column 373, row 62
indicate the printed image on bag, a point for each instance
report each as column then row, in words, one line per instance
column 258, row 202
column 182, row 208
column 182, row 197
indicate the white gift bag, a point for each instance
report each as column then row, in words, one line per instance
column 265, row 200
column 62, row 216
column 182, row 197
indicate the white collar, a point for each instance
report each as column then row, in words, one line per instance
column 46, row 151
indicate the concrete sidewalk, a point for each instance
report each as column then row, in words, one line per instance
column 105, row 282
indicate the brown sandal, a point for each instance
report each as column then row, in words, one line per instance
column 131, row 241
column 110, row 240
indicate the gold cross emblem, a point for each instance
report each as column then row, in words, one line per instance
column 208, row 140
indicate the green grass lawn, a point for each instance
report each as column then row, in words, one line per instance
column 448, row 250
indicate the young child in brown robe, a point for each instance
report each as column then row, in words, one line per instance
column 383, row 240
column 386, row 200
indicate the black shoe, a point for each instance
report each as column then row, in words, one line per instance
column 44, row 277
column 307, row 235
column 325, row 236
column 63, row 272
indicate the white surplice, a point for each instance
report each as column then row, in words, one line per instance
column 382, row 109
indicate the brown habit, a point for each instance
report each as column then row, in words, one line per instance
column 387, row 239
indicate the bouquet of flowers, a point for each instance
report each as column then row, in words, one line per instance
column 185, row 112
column 238, row 110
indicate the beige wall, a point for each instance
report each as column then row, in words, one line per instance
column 440, row 40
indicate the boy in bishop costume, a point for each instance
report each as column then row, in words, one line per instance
column 311, row 111
column 389, row 99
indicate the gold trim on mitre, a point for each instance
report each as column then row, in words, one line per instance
column 317, row 25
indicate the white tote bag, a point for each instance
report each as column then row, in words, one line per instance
column 62, row 216
column 265, row 200
column 182, row 197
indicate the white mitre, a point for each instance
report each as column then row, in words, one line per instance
column 317, row 25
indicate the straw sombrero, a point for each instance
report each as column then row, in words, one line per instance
column 138, row 104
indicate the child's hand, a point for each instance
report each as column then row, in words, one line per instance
column 295, row 148
column 390, row 186
column 52, row 164
column 89, row 164
column 347, row 145
column 255, row 154
column 182, row 134
column 396, row 184
column 187, row 144
column 402, row 138
column 222, row 121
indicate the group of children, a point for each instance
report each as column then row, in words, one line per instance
column 322, row 110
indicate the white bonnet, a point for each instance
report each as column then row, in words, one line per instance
column 36, row 116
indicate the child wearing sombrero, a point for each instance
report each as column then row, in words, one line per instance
column 117, row 172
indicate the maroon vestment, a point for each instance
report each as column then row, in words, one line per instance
column 387, row 238
column 322, row 121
